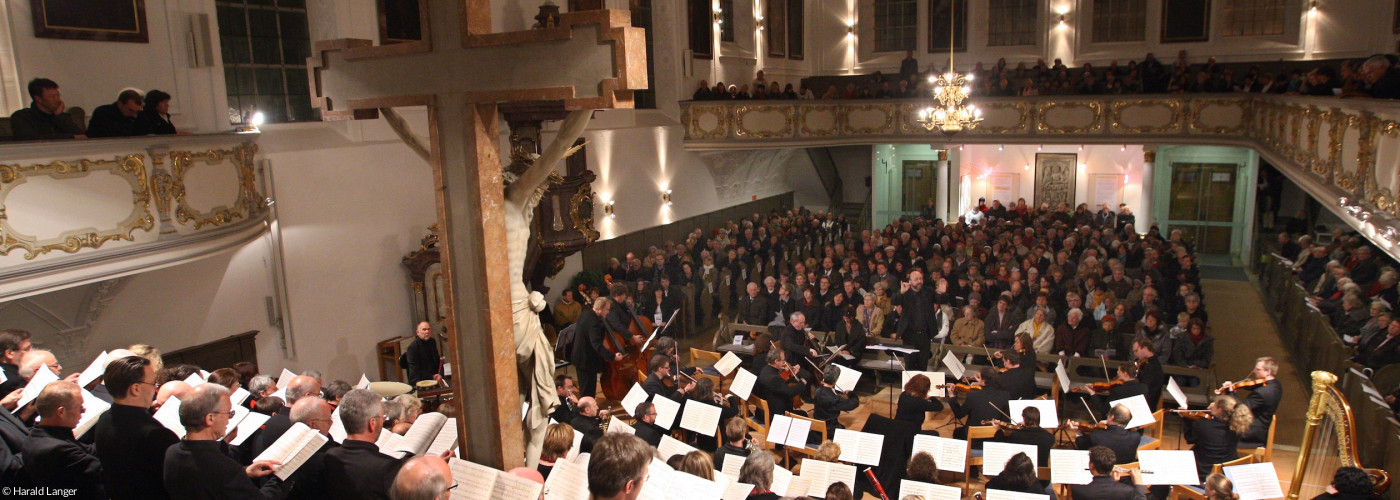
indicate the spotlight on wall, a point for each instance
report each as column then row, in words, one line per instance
column 1125, row 178
column 719, row 16
column 1001, row 147
column 850, row 28
column 760, row 24
column 1312, row 8
column 608, row 209
column 1028, row 166
column 960, row 147
column 1040, row 147
column 1062, row 10
column 1124, row 148
column 1081, row 147
column 666, row 197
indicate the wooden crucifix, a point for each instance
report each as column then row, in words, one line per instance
column 461, row 71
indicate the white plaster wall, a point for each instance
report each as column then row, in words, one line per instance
column 976, row 161
column 807, row 187
column 853, row 165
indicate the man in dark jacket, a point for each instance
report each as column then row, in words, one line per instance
column 646, row 427
column 309, row 481
column 1030, row 433
column 46, row 117
column 130, row 443
column 199, row 468
column 753, row 308
column 1123, row 442
column 117, row 119
column 53, row 456
column 917, row 321
column 773, row 388
column 356, row 469
column 13, row 344
column 655, row 384
column 13, row 434
column 299, row 387
column 424, row 362
column 1263, row 400
column 1105, row 486
column 992, row 402
column 590, row 357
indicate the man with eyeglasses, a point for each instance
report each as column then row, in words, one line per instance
column 309, row 480
column 53, row 456
column 424, row 478
column 198, row 468
column 617, row 468
column 646, row 424
column 129, row 441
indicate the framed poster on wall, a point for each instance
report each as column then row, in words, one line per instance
column 1002, row 187
column 98, row 20
column 1105, row 188
column 1055, row 178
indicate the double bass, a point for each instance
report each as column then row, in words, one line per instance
column 618, row 378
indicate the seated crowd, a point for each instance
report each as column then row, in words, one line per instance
column 1377, row 76
column 133, row 114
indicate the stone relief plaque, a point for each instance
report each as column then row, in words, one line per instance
column 1055, row 178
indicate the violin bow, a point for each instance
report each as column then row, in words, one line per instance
column 1104, row 359
column 1091, row 410
column 994, row 407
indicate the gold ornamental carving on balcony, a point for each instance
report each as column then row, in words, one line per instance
column 886, row 126
column 1384, row 199
column 1116, row 109
column 131, row 168
column 1095, row 123
column 1197, row 106
column 804, row 126
column 1024, row 114
column 1338, row 121
column 741, row 130
column 248, row 202
column 1367, row 130
column 1314, row 119
column 720, row 114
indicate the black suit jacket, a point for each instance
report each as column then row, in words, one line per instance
column 1383, row 350
column 1263, row 401
column 753, row 310
column 654, row 386
column 201, row 470
column 651, row 433
column 1000, row 328
column 1042, row 439
column 978, row 406
column 357, row 470
column 131, row 445
column 918, row 323
column 1105, row 488
column 776, row 391
column 271, row 430
column 1214, row 443
column 1123, row 442
column 12, row 379
column 13, row 434
column 1020, row 382
column 309, row 481
column 423, row 360
column 794, row 343
column 54, row 458
column 1154, row 379
column 589, row 354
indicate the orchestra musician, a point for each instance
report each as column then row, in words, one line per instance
column 989, row 403
column 798, row 343
column 422, row 357
column 646, row 427
column 1126, row 386
column 589, row 422
column 1216, row 438
column 774, row 387
column 565, row 388
column 828, row 403
column 619, row 317
column 1113, row 435
column 655, row 385
column 1029, row 432
column 1106, row 484
column 590, row 357
column 916, row 401
column 1263, row 401
column 1017, row 378
column 1149, row 370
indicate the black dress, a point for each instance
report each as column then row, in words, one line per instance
column 914, row 409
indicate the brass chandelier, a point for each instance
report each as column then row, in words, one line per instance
column 950, row 116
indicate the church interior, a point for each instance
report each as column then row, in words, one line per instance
column 1102, row 214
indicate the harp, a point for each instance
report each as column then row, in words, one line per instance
column 1329, row 442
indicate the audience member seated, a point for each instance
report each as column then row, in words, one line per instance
column 154, row 118
column 118, row 119
column 46, row 117
column 1349, row 483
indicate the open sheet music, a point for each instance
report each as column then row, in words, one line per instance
column 782, row 478
column 1177, row 395
column 293, row 449
column 732, row 464
column 821, row 474
column 1168, row 467
column 416, row 441
column 338, row 432
column 194, row 379
column 1048, row 418
column 635, row 396
column 1013, row 495
column 935, row 378
column 446, row 439
column 285, row 378
column 995, row 455
column 727, row 364
column 387, row 442
column 169, row 416
column 949, row 454
column 846, row 382
column 1255, row 481
column 249, row 425
column 617, row 425
column 94, row 370
column 736, row 491
column 700, row 417
column 1062, row 375
column 238, row 396
column 859, row 447
column 479, row 482
column 92, row 408
column 1142, row 414
column 670, row 447
column 743, row 382
column 568, row 481
column 954, row 365
column 929, row 491
column 1070, row 467
column 43, row 376
column 666, row 411
column 789, row 431
column 837, row 349
column 575, row 447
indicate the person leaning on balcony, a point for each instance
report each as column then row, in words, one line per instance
column 155, row 117
column 45, row 117
column 117, row 119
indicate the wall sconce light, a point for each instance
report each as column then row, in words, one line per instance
column 1040, row 147
column 1081, row 147
column 719, row 16
column 1124, row 148
column 760, row 24
column 1028, row 166
column 850, row 27
column 1001, row 147
column 1083, row 166
column 666, row 197
column 1125, row 178
column 960, row 147
column 1062, row 10
column 1312, row 7
column 608, row 209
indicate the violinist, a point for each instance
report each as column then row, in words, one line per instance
column 829, row 402
column 1123, row 442
column 656, row 384
column 704, row 392
column 990, row 403
column 590, row 357
column 1124, row 385
column 915, row 402
column 1149, row 370
column 1028, row 432
column 774, row 387
column 1017, row 378
column 1217, row 437
column 1263, row 400
column 797, row 341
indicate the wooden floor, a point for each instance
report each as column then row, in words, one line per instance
column 1243, row 331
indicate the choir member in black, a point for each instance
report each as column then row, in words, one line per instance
column 1018, row 378
column 991, row 402
column 53, row 456
column 13, row 345
column 558, row 439
column 198, row 466
column 645, row 426
column 1216, row 438
column 917, row 322
column 915, row 402
column 1106, row 484
column 128, row 440
column 424, row 362
column 619, row 469
column 775, row 388
column 1030, row 433
column 829, row 402
column 799, row 344
column 736, row 437
column 1149, row 370
column 1123, row 442
column 1263, row 401
column 1128, row 387
column 590, row 357
column 851, row 338
column 656, row 383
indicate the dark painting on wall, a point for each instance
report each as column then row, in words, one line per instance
column 1185, row 21
column 98, row 20
column 402, row 21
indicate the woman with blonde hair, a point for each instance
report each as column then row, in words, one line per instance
column 1218, row 487
column 697, row 463
column 1217, row 436
column 412, row 409
column 558, row 440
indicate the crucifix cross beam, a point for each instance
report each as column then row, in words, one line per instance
column 461, row 71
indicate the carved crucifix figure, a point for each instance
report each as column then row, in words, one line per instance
column 461, row 72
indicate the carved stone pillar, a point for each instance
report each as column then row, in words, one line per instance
column 1144, row 213
column 941, row 196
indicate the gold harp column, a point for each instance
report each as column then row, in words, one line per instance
column 1316, row 408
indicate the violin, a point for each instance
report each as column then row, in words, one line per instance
column 1243, row 384
column 1088, row 427
column 1195, row 414
column 1098, row 386
column 1006, row 426
column 959, row 387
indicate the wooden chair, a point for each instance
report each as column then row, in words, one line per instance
column 808, row 449
column 974, row 457
column 1266, row 452
column 697, row 355
column 1199, row 492
column 1152, row 434
column 767, row 415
